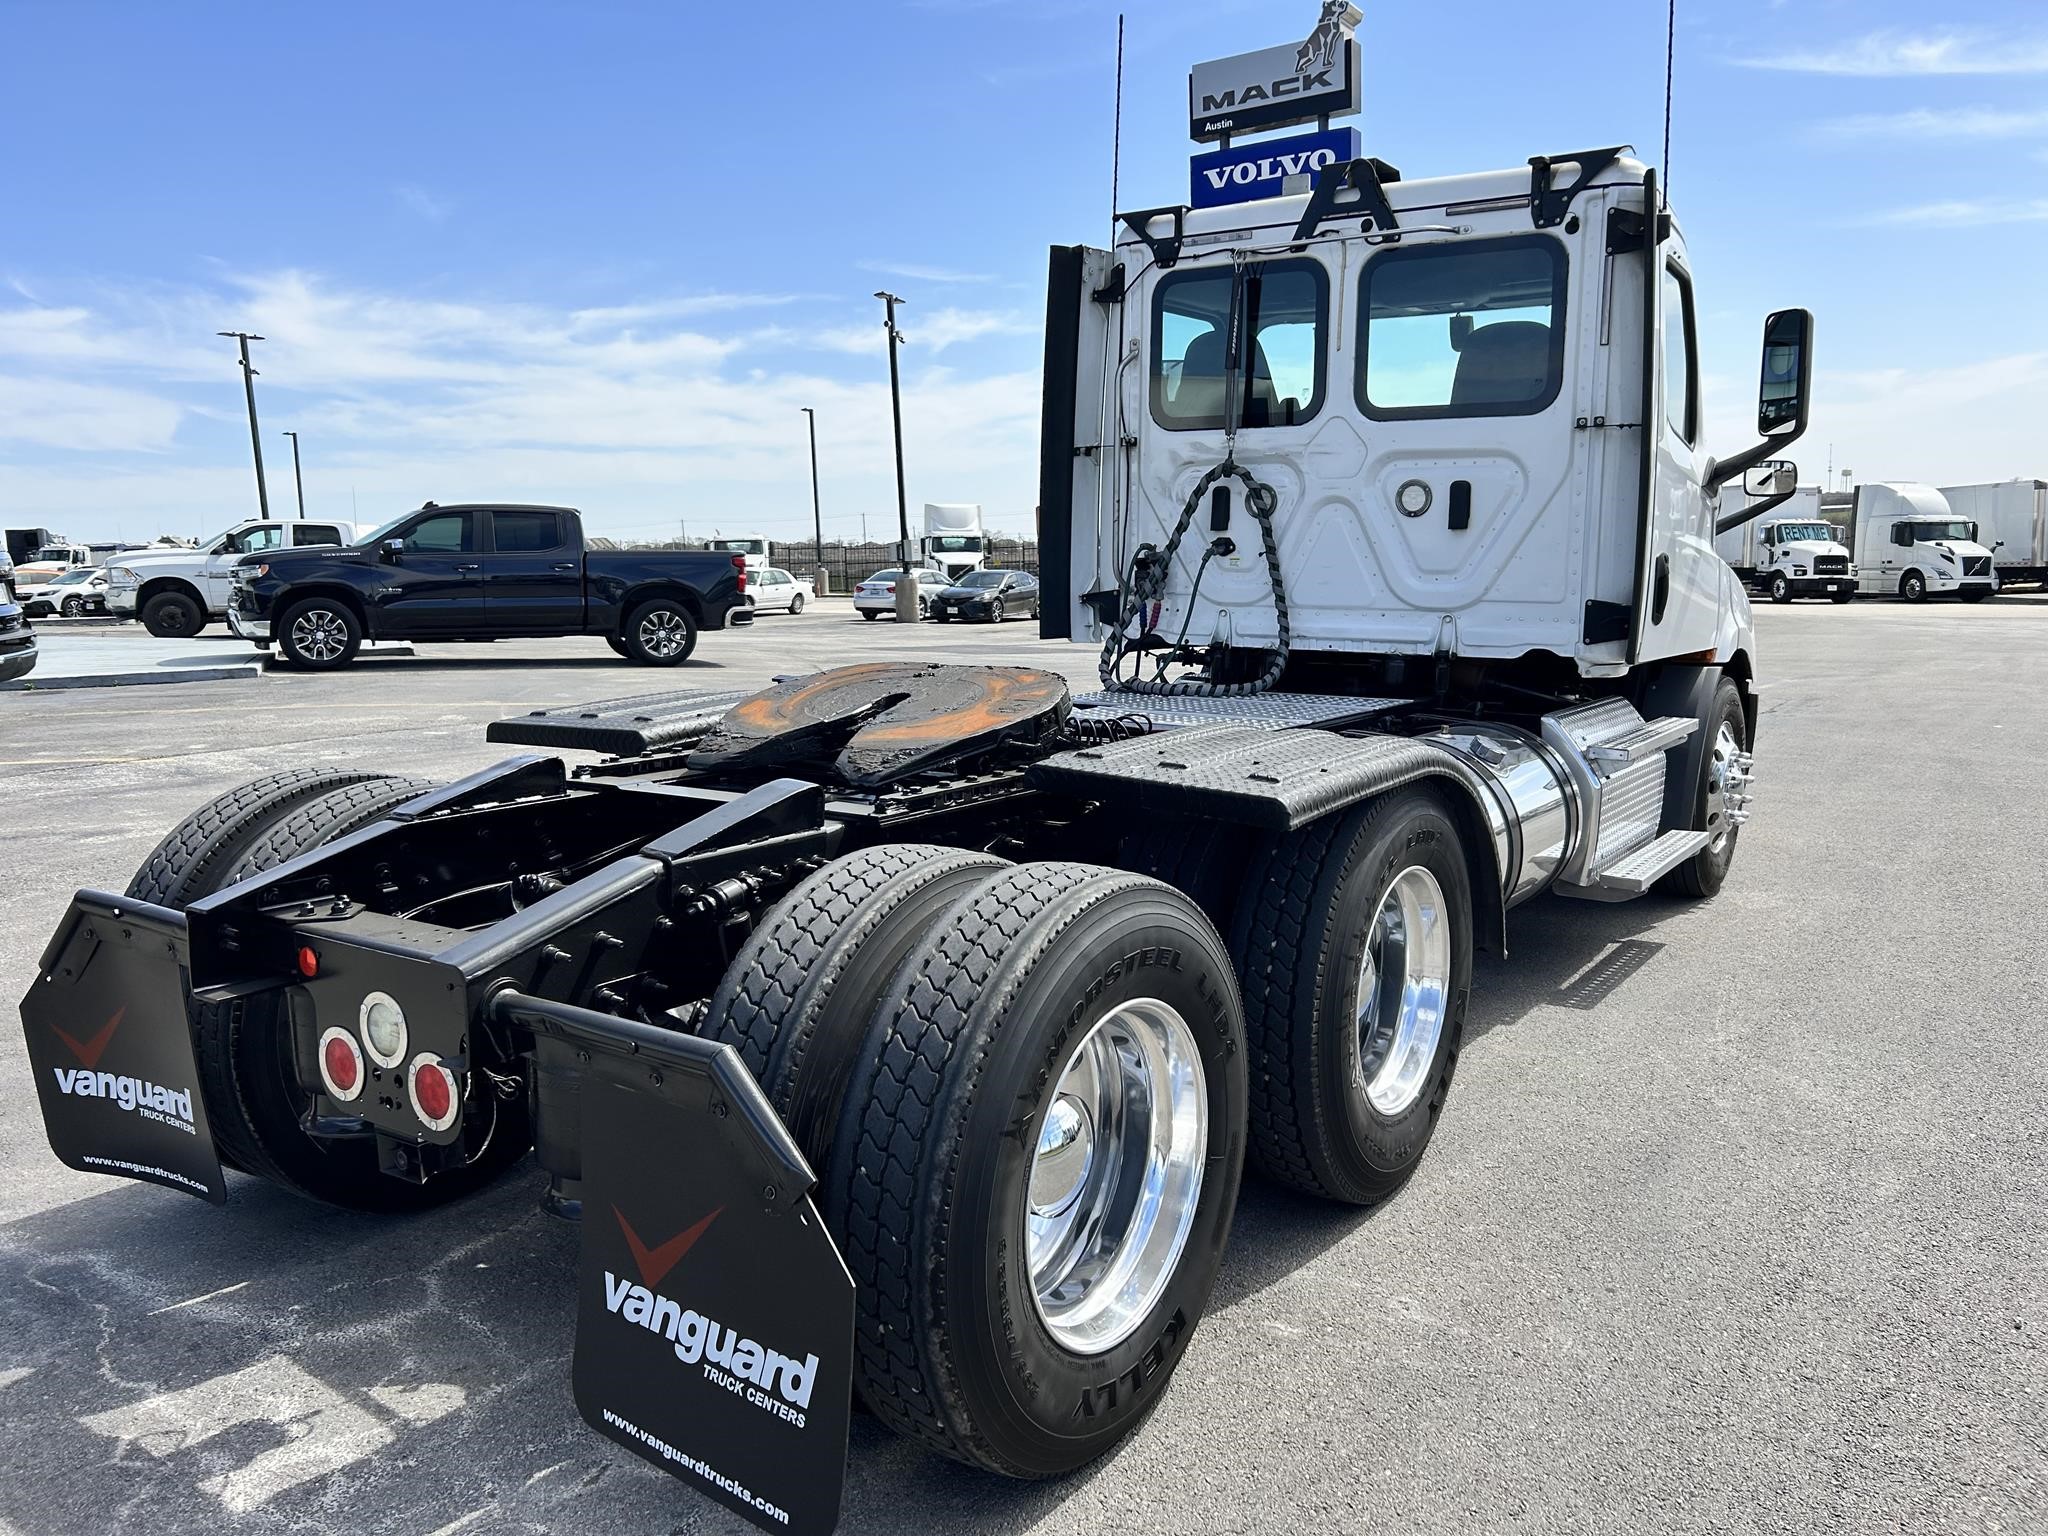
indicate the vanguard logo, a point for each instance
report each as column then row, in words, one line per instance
column 151, row 1099
column 88, row 1051
column 731, row 1361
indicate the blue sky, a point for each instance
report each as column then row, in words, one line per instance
column 602, row 253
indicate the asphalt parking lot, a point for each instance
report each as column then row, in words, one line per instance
column 1758, row 1242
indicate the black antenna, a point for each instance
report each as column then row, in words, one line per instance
column 1670, row 47
column 1116, row 142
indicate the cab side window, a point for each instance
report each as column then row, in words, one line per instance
column 1681, row 363
column 526, row 532
column 442, row 533
column 251, row 540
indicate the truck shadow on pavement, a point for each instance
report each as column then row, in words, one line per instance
column 279, row 1364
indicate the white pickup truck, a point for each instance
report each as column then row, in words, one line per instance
column 178, row 592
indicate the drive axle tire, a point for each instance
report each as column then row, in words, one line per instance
column 173, row 616
column 248, row 1078
column 796, row 1000
column 320, row 634
column 1726, row 733
column 659, row 633
column 1036, row 1165
column 1354, row 947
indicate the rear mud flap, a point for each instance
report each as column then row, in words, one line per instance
column 110, row 1043
column 714, row 1320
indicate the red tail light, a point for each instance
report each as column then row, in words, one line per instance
column 341, row 1064
column 433, row 1091
column 890, row 588
column 739, row 563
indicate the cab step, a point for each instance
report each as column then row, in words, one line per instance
column 1650, row 739
column 1634, row 873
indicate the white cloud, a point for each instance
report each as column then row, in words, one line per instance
column 422, row 202
column 924, row 274
column 636, row 412
column 1956, row 52
column 1928, row 123
column 1963, row 213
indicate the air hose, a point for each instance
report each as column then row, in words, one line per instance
column 1150, row 568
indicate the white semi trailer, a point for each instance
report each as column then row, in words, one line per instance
column 954, row 542
column 2012, row 520
column 1792, row 553
column 1910, row 542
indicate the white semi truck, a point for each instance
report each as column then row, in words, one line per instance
column 954, row 543
column 949, row 1005
column 752, row 547
column 1910, row 542
column 2012, row 521
column 1792, row 553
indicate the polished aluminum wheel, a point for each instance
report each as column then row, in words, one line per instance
column 1404, row 987
column 319, row 634
column 1723, row 772
column 664, row 633
column 1117, row 1175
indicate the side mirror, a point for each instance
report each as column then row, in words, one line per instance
column 1787, row 373
column 1773, row 477
column 392, row 549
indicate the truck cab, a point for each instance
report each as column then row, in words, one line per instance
column 1796, row 553
column 954, row 543
column 753, row 547
column 1910, row 543
column 178, row 592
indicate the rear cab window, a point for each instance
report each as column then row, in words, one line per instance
column 1466, row 328
column 1283, row 308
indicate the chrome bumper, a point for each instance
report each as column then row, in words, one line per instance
column 248, row 628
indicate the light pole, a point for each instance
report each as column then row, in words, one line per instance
column 298, row 479
column 906, row 588
column 817, row 516
column 255, row 438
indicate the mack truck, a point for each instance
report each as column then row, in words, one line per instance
column 901, row 1031
column 1791, row 554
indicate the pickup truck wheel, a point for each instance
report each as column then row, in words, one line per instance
column 319, row 633
column 660, row 633
column 1354, row 946
column 1036, row 1165
column 796, row 1000
column 173, row 616
column 1725, row 731
column 1913, row 587
column 1781, row 588
column 618, row 645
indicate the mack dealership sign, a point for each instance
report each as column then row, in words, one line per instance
column 1279, row 87
column 1269, row 168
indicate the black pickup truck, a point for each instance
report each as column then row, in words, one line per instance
column 483, row 573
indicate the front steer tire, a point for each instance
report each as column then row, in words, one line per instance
column 1309, row 915
column 244, row 1048
column 930, row 1177
column 1725, row 730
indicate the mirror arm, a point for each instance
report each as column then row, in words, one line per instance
column 1754, row 511
column 1721, row 471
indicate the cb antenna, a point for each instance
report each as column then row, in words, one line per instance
column 1670, row 49
column 1116, row 138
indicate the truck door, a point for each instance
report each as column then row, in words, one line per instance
column 433, row 583
column 1085, row 328
column 533, row 581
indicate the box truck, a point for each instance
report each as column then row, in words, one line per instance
column 2012, row 520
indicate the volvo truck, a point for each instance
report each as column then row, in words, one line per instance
column 904, row 1029
column 1790, row 554
column 954, row 543
column 1911, row 544
column 2012, row 521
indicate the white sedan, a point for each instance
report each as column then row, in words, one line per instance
column 68, row 594
column 773, row 591
column 877, row 595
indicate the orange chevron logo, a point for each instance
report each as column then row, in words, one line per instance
column 655, row 1263
column 88, row 1051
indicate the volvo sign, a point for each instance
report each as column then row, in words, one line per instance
column 1279, row 87
column 1269, row 168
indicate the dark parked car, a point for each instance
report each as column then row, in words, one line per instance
column 991, row 595
column 17, row 641
column 483, row 573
